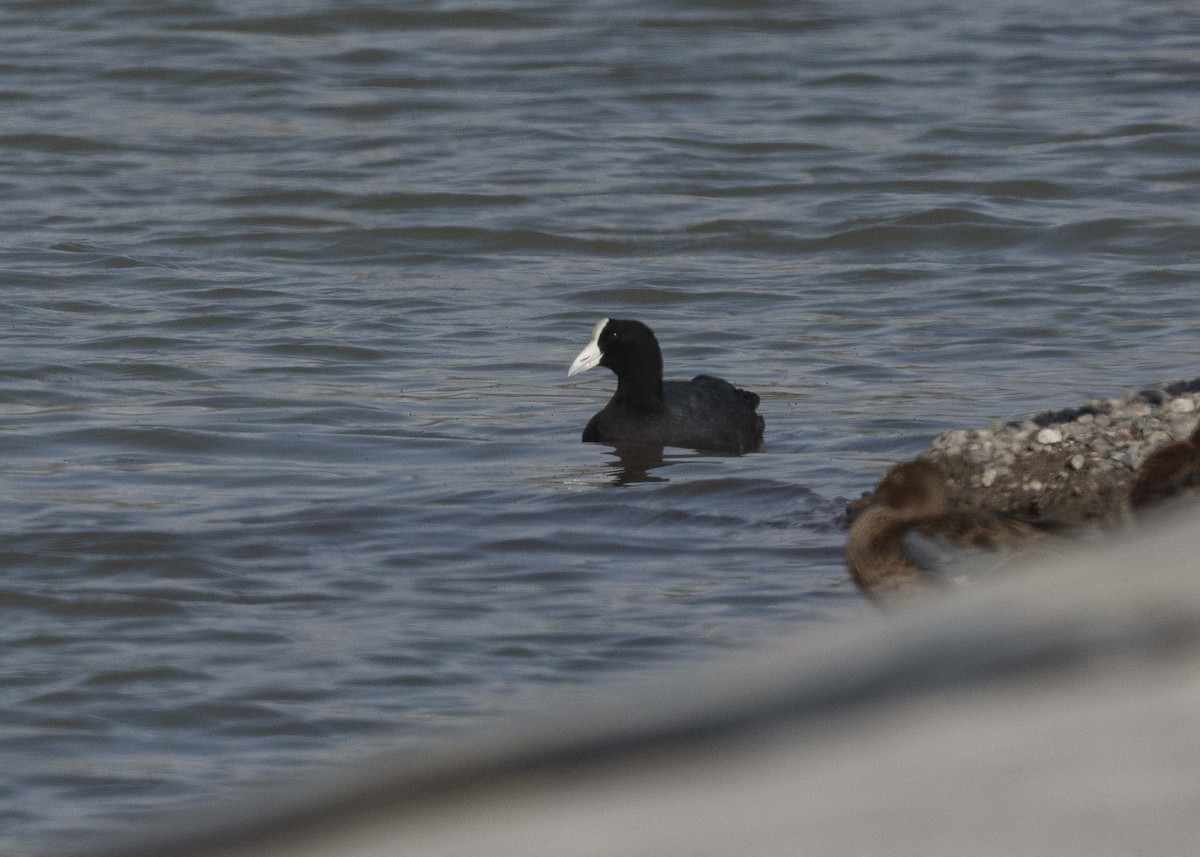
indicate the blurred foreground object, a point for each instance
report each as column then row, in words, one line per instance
column 910, row 539
column 1054, row 711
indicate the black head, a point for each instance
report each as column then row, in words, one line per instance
column 630, row 350
column 625, row 346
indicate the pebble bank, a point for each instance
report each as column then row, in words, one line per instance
column 1073, row 465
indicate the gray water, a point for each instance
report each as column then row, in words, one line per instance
column 291, row 466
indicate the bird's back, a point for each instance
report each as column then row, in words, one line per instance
column 711, row 413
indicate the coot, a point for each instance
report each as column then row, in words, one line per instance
column 910, row 540
column 705, row 413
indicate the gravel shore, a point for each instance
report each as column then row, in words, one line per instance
column 1072, row 465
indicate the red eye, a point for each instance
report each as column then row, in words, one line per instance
column 612, row 334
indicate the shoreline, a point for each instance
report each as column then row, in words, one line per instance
column 1072, row 465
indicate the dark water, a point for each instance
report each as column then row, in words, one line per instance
column 291, row 466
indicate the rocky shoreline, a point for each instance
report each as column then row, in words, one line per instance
column 1073, row 465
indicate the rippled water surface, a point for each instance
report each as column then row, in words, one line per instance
column 291, row 466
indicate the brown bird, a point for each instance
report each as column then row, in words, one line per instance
column 1168, row 471
column 909, row 540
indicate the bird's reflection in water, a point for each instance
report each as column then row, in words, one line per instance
column 634, row 463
